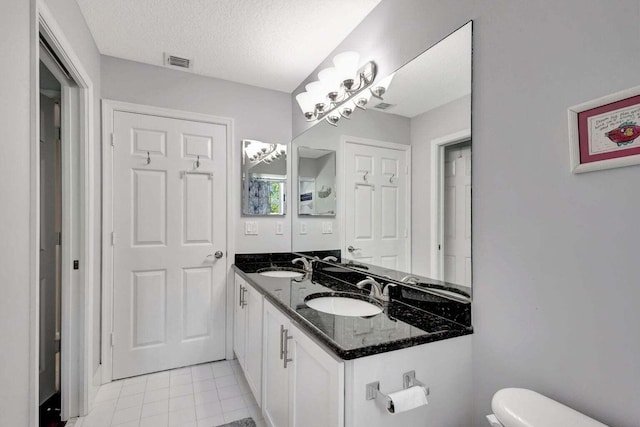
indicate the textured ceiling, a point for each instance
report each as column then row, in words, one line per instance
column 274, row 44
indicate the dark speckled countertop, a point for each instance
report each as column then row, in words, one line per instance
column 400, row 325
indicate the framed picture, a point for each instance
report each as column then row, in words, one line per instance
column 605, row 133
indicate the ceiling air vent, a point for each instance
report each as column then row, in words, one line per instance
column 177, row 61
column 383, row 106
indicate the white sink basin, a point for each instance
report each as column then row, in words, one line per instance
column 282, row 274
column 343, row 306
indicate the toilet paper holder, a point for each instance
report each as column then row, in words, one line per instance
column 408, row 380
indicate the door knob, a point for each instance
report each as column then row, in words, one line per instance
column 218, row 254
column 351, row 249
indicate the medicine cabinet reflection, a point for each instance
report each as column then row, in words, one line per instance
column 264, row 178
column 316, row 182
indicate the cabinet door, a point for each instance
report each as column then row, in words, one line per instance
column 316, row 384
column 253, row 342
column 275, row 387
column 239, row 321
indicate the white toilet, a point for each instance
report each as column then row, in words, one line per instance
column 518, row 407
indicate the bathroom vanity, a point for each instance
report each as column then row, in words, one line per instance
column 310, row 368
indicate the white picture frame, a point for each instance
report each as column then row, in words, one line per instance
column 609, row 104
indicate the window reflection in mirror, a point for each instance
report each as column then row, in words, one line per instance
column 316, row 182
column 264, row 178
column 403, row 173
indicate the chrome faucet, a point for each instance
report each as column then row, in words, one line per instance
column 410, row 279
column 306, row 265
column 330, row 258
column 378, row 291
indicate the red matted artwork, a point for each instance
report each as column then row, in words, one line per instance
column 605, row 133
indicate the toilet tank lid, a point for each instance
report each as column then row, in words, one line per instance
column 518, row 407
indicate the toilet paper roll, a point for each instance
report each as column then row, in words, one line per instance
column 407, row 399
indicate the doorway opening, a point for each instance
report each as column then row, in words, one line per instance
column 451, row 208
column 62, row 231
column 50, row 261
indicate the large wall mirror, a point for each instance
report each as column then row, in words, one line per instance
column 403, row 175
column 264, row 178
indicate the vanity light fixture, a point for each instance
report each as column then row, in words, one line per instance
column 267, row 153
column 341, row 89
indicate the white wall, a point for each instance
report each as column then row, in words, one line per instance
column 15, row 44
column 17, row 36
column 555, row 269
column 444, row 120
column 260, row 114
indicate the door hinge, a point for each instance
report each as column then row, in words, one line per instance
column 112, row 140
column 111, row 338
column 59, row 238
column 113, row 238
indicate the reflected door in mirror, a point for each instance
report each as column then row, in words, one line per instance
column 376, row 204
column 457, row 214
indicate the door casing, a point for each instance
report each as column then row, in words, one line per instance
column 109, row 107
column 78, row 219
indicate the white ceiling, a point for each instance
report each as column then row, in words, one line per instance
column 273, row 44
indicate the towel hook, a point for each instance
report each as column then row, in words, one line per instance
column 148, row 158
column 391, row 179
column 365, row 175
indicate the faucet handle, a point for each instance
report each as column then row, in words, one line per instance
column 410, row 279
column 305, row 262
column 385, row 291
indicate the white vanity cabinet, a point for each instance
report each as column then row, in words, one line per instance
column 443, row 366
column 300, row 383
column 247, row 334
column 303, row 385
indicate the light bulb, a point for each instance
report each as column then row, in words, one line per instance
column 330, row 80
column 346, row 65
column 305, row 101
column 316, row 89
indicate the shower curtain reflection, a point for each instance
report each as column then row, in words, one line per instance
column 266, row 196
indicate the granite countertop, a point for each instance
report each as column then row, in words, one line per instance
column 400, row 325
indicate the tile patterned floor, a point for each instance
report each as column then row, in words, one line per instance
column 204, row 395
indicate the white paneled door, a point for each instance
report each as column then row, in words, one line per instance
column 376, row 204
column 169, row 207
column 457, row 214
